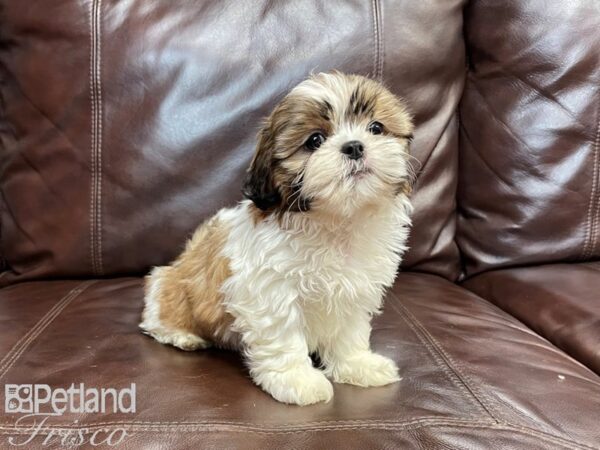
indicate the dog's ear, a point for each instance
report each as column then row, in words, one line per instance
column 259, row 185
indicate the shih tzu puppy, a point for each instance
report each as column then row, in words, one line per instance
column 301, row 265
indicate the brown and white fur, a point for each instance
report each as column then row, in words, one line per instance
column 302, row 264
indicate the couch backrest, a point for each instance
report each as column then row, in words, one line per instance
column 529, row 189
column 126, row 123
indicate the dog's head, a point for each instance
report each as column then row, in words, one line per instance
column 335, row 143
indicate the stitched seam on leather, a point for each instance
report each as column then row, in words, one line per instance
column 100, row 132
column 381, row 40
column 468, row 382
column 376, row 38
column 92, row 143
column 470, row 385
column 252, row 425
column 96, row 138
column 543, row 428
column 566, row 443
column 442, row 365
column 590, row 212
column 249, row 427
column 40, row 322
column 19, row 348
column 226, row 426
column 460, row 379
column 595, row 193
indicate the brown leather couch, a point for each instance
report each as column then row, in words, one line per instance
column 125, row 123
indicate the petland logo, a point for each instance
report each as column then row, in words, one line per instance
column 40, row 402
column 41, row 398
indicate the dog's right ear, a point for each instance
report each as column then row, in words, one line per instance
column 259, row 185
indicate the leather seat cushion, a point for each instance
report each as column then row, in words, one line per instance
column 560, row 302
column 472, row 375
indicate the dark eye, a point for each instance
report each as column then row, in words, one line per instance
column 376, row 128
column 314, row 141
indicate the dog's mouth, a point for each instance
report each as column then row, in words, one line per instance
column 359, row 171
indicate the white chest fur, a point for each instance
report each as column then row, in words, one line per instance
column 324, row 268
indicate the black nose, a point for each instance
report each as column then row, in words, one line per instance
column 353, row 149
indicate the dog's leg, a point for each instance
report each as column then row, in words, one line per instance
column 275, row 345
column 281, row 365
column 348, row 358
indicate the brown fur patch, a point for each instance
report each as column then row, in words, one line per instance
column 404, row 188
column 189, row 296
column 269, row 185
column 362, row 101
column 371, row 100
column 257, row 214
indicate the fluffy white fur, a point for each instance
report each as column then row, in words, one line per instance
column 313, row 286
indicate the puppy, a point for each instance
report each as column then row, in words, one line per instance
column 302, row 264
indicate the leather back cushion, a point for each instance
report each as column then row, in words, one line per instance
column 529, row 188
column 127, row 123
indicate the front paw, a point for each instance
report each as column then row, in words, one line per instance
column 299, row 386
column 366, row 369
